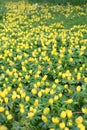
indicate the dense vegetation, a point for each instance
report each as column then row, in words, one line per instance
column 43, row 65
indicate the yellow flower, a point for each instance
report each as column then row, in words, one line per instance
column 6, row 100
column 3, row 127
column 47, row 90
column 61, row 55
column 23, row 94
column 9, row 117
column 51, row 101
column 75, row 70
column 70, row 91
column 78, row 76
column 81, row 126
column 71, row 59
column 27, row 77
column 55, row 120
column 60, row 74
column 52, row 91
column 36, row 102
column 79, row 120
column 62, row 125
column 56, row 81
column 60, row 95
column 38, row 84
column 56, row 97
column 39, row 94
column 2, row 109
column 81, row 68
column 69, row 101
column 84, row 110
column 39, row 67
column 44, row 118
column 44, row 78
column 21, row 105
column 7, row 112
column 24, row 69
column 85, row 79
column 63, row 75
column 47, row 84
column 66, row 128
column 27, row 98
column 69, row 113
column 59, row 61
column 65, row 86
column 46, row 111
column 34, row 110
column 54, row 86
column 22, row 110
column 30, row 115
column 30, row 71
column 34, row 91
column 63, row 114
column 9, row 88
column 13, row 80
column 78, row 89
column 69, row 123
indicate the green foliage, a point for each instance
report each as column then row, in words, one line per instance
column 60, row 2
column 43, row 65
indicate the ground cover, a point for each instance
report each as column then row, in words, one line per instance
column 43, row 66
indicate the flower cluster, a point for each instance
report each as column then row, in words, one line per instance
column 43, row 68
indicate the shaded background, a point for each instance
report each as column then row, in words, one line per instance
column 74, row 2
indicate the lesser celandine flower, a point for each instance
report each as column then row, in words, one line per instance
column 81, row 127
column 7, row 112
column 54, row 86
column 60, row 95
column 69, row 113
column 71, row 59
column 34, row 91
column 69, row 123
column 45, row 66
column 56, row 97
column 79, row 120
column 78, row 76
column 70, row 91
column 22, row 110
column 65, row 86
column 36, row 102
column 78, row 88
column 63, row 114
column 46, row 110
column 50, row 101
column 56, row 81
column 52, row 91
column 9, row 117
column 3, row 127
column 61, row 125
column 27, row 98
column 69, row 101
column 30, row 115
column 2, row 109
column 85, row 79
column 39, row 94
column 47, row 90
column 66, row 128
column 55, row 120
column 51, row 129
column 44, row 118
column 6, row 100
column 84, row 110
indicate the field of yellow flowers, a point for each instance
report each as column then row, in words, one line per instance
column 43, row 67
